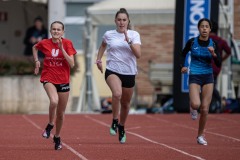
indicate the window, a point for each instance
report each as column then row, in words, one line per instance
column 76, row 9
column 74, row 22
column 75, row 33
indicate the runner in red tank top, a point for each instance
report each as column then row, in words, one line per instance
column 59, row 57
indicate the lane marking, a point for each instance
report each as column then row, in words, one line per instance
column 147, row 139
column 184, row 126
column 230, row 127
column 66, row 145
column 133, row 128
column 224, row 119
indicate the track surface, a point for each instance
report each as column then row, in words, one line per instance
column 149, row 137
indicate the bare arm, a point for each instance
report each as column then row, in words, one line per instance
column 136, row 48
column 35, row 56
column 101, row 51
column 69, row 58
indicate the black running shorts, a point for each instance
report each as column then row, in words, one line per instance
column 128, row 81
column 60, row 87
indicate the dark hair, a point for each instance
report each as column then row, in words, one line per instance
column 214, row 27
column 204, row 19
column 38, row 18
column 59, row 22
column 123, row 10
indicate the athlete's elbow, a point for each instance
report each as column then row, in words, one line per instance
column 138, row 56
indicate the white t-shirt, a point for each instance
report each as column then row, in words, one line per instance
column 120, row 58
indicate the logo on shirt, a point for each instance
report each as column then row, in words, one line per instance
column 55, row 52
column 195, row 48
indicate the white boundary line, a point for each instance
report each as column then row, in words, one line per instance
column 224, row 119
column 184, row 126
column 66, row 145
column 146, row 139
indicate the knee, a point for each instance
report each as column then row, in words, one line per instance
column 53, row 102
column 125, row 105
column 195, row 105
column 204, row 112
column 117, row 96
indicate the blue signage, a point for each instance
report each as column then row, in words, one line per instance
column 194, row 11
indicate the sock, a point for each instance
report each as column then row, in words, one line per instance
column 120, row 127
column 115, row 121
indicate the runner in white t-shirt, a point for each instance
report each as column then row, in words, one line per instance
column 123, row 47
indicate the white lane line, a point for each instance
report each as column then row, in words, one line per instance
column 66, row 145
column 228, row 127
column 222, row 135
column 185, row 126
column 133, row 128
column 224, row 119
column 147, row 139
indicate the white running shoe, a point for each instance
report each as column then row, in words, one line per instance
column 193, row 113
column 201, row 140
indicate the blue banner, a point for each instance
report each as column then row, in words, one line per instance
column 194, row 11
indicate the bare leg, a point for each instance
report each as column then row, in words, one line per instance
column 115, row 85
column 207, row 91
column 194, row 95
column 53, row 97
column 125, row 104
column 63, row 99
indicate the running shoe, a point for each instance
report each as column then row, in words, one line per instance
column 57, row 141
column 113, row 128
column 201, row 140
column 46, row 133
column 122, row 134
column 193, row 113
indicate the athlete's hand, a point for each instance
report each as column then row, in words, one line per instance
column 211, row 50
column 184, row 69
column 37, row 66
column 126, row 36
column 99, row 65
column 60, row 44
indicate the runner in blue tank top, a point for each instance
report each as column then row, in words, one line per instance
column 203, row 50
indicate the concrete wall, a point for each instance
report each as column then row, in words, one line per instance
column 24, row 94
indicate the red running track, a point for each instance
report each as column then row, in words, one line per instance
column 149, row 137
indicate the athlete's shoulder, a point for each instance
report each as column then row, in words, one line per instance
column 133, row 32
column 110, row 32
column 192, row 39
column 45, row 41
column 66, row 40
